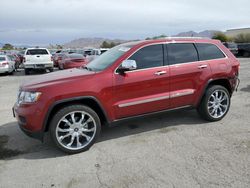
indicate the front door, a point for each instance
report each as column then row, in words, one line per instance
column 145, row 89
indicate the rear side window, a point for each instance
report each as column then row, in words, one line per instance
column 209, row 51
column 150, row 56
column 181, row 53
column 2, row 58
column 37, row 52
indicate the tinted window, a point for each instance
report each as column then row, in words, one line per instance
column 37, row 52
column 209, row 51
column 181, row 53
column 150, row 56
column 2, row 59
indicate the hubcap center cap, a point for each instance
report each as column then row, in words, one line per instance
column 76, row 129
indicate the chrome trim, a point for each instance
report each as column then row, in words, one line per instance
column 181, row 94
column 160, row 73
column 142, row 101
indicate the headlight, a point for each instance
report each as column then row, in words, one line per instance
column 28, row 97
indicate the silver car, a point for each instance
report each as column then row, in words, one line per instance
column 7, row 64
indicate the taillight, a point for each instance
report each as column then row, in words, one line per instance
column 2, row 64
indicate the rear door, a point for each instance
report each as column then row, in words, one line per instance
column 187, row 74
column 143, row 90
column 38, row 56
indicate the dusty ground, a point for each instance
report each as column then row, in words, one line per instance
column 175, row 149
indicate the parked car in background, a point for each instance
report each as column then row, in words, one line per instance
column 103, row 50
column 130, row 80
column 72, row 60
column 91, row 54
column 37, row 58
column 233, row 47
column 20, row 55
column 57, row 58
column 7, row 64
column 16, row 59
column 244, row 50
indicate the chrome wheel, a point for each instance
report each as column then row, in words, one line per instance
column 218, row 104
column 76, row 130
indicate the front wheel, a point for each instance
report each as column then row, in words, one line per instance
column 75, row 128
column 215, row 103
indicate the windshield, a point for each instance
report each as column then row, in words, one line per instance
column 108, row 58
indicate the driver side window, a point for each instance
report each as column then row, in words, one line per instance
column 149, row 56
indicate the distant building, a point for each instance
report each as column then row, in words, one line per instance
column 235, row 32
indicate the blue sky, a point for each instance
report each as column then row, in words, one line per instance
column 58, row 21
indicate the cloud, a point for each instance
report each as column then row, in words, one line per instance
column 50, row 21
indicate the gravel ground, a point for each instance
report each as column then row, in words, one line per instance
column 157, row 151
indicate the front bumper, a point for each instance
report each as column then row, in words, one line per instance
column 36, row 135
column 29, row 121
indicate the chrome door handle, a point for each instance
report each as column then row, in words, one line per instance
column 202, row 67
column 160, row 73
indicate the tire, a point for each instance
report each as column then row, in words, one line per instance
column 51, row 69
column 209, row 103
column 26, row 71
column 246, row 54
column 63, row 130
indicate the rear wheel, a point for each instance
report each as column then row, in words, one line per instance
column 27, row 71
column 51, row 69
column 75, row 128
column 215, row 103
column 246, row 54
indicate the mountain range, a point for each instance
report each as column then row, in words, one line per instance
column 206, row 34
column 90, row 42
column 96, row 42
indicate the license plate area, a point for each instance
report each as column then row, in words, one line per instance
column 39, row 66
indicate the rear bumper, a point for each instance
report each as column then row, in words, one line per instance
column 38, row 65
column 4, row 69
column 73, row 65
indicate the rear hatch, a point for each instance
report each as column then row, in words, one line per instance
column 37, row 56
column 3, row 61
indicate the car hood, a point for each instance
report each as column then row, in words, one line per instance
column 55, row 78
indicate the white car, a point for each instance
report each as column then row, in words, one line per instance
column 7, row 64
column 37, row 58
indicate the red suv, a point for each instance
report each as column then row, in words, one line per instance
column 130, row 80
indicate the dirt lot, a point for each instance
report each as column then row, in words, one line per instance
column 175, row 149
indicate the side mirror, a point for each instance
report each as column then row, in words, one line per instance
column 127, row 65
